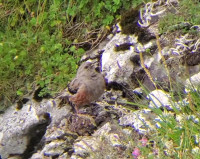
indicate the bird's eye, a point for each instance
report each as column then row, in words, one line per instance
column 86, row 67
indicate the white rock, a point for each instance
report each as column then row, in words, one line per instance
column 16, row 125
column 192, row 83
column 54, row 148
column 105, row 129
column 159, row 98
column 83, row 147
column 142, row 121
column 91, row 144
column 117, row 65
column 13, row 130
column 195, row 150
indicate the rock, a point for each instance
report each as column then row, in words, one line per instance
column 121, row 61
column 15, row 130
column 21, row 130
column 123, row 68
column 64, row 156
column 36, row 156
column 91, row 146
column 96, row 52
column 85, row 146
column 117, row 65
column 143, row 121
column 192, row 83
column 169, row 151
column 55, row 148
column 138, row 91
column 159, row 98
column 15, row 157
column 82, row 125
column 195, row 150
column 60, row 136
column 57, row 141
column 75, row 157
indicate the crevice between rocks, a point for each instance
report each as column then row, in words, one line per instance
column 35, row 134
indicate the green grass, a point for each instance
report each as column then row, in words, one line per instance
column 179, row 128
column 183, row 133
column 186, row 12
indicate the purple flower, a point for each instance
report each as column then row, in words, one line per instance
column 136, row 153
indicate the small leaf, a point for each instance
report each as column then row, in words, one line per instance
column 108, row 20
column 33, row 21
column 72, row 48
column 41, row 83
column 19, row 92
column 116, row 2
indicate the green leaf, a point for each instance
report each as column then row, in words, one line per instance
column 47, row 81
column 83, row 4
column 109, row 19
column 33, row 21
column 117, row 2
column 19, row 93
column 72, row 48
column 72, row 11
column 41, row 83
column 80, row 51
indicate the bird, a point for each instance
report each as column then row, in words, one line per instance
column 88, row 85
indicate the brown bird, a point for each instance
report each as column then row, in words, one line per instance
column 88, row 84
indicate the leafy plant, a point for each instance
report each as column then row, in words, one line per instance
column 41, row 42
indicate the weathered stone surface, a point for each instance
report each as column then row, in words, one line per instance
column 142, row 121
column 60, row 135
column 120, row 65
column 193, row 83
column 83, row 147
column 23, row 129
column 158, row 99
column 117, row 65
column 91, row 146
column 55, row 148
column 161, row 99
column 15, row 128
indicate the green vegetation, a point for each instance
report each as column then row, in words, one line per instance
column 182, row 133
column 187, row 12
column 177, row 133
column 181, row 129
column 41, row 41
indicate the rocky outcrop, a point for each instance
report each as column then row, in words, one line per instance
column 47, row 129
column 142, row 73
column 22, row 130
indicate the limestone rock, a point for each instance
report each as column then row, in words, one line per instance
column 142, row 121
column 15, row 129
column 91, row 146
column 117, row 65
column 193, row 83
column 158, row 99
column 23, row 129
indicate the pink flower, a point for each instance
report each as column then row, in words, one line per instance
column 136, row 153
column 144, row 141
